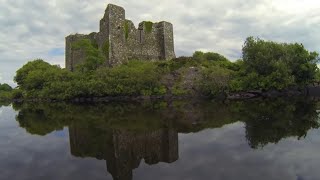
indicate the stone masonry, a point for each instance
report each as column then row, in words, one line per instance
column 121, row 41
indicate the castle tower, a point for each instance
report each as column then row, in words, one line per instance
column 167, row 40
column 112, row 36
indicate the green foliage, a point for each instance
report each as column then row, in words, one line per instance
column 178, row 90
column 317, row 75
column 41, row 118
column 105, row 49
column 5, row 92
column 214, row 80
column 265, row 66
column 33, row 74
column 269, row 121
column 264, row 122
column 180, row 83
column 208, row 56
column 17, row 94
column 37, row 77
column 198, row 56
column 5, row 87
column 148, row 26
column 5, row 96
column 133, row 78
column 177, row 63
column 270, row 65
column 94, row 57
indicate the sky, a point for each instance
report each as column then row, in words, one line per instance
column 31, row 29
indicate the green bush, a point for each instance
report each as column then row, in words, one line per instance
column 208, row 56
column 5, row 87
column 5, row 92
column 17, row 94
column 269, row 65
column 5, row 96
column 214, row 80
column 134, row 78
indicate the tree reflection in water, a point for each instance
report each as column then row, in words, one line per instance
column 125, row 133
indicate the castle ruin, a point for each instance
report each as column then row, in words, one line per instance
column 120, row 41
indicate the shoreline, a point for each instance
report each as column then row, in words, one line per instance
column 311, row 91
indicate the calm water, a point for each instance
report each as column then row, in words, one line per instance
column 275, row 139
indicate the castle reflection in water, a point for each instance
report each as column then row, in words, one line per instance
column 124, row 150
column 124, row 134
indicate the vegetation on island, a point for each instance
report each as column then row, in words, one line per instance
column 265, row 65
column 5, row 92
column 268, row 65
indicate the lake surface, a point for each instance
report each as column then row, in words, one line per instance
column 256, row 139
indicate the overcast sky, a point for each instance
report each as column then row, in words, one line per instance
column 32, row 29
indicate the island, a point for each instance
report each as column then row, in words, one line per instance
column 122, row 62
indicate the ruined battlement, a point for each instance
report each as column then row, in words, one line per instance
column 120, row 41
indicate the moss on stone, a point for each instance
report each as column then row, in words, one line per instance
column 126, row 28
column 81, row 44
column 148, row 26
column 105, row 49
column 84, row 43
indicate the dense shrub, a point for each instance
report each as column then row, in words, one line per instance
column 215, row 80
column 5, row 87
column 51, row 82
column 270, row 65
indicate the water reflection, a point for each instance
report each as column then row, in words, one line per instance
column 269, row 122
column 4, row 103
column 124, row 134
column 124, row 149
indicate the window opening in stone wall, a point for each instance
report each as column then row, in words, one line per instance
column 140, row 35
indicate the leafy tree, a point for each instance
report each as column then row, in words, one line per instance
column 5, row 87
column 270, row 65
column 32, row 75
column 198, row 56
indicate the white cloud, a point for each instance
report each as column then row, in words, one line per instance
column 32, row 29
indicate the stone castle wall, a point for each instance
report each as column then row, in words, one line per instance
column 120, row 41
